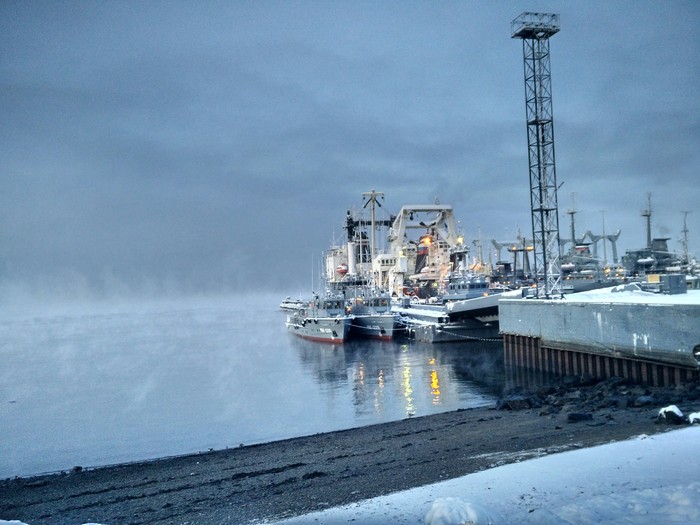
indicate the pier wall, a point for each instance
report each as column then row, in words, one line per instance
column 536, row 362
column 656, row 344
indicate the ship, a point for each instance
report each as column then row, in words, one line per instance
column 368, row 306
column 422, row 270
column 466, row 286
column 657, row 258
column 348, row 274
column 322, row 319
column 290, row 304
column 474, row 319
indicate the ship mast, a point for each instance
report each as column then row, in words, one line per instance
column 685, row 237
column 572, row 212
column 647, row 215
column 605, row 250
column 372, row 196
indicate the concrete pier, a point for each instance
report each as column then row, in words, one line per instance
column 647, row 337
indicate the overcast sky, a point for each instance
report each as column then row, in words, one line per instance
column 217, row 145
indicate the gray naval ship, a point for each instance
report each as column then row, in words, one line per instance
column 321, row 319
column 422, row 270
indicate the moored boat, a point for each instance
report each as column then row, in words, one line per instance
column 372, row 317
column 349, row 274
column 466, row 320
column 426, row 260
column 461, row 286
column 321, row 319
column 291, row 304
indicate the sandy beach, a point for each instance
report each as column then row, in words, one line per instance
column 292, row 477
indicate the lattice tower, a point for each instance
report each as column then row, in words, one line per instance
column 535, row 29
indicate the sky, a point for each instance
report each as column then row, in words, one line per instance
column 197, row 147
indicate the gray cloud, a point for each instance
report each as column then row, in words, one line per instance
column 198, row 147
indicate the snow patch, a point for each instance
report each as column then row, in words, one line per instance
column 672, row 414
column 454, row 511
column 646, row 481
column 670, row 409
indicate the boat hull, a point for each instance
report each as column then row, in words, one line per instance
column 462, row 331
column 373, row 326
column 469, row 320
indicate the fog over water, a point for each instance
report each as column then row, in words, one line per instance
column 102, row 384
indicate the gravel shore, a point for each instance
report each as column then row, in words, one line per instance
column 292, row 477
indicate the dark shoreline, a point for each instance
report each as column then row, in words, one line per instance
column 296, row 476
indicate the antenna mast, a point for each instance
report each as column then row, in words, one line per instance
column 372, row 196
column 685, row 237
column 572, row 212
column 647, row 215
column 605, row 251
column 535, row 29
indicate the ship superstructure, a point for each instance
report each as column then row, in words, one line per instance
column 423, row 248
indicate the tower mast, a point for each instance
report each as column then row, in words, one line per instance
column 572, row 213
column 535, row 29
column 647, row 215
column 685, row 237
column 372, row 201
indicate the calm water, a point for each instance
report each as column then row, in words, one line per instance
column 112, row 383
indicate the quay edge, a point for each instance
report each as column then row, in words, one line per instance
column 643, row 336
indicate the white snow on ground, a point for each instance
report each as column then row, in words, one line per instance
column 631, row 294
column 642, row 481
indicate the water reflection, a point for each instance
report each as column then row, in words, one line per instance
column 434, row 384
column 389, row 380
column 137, row 381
